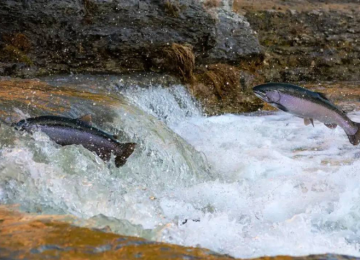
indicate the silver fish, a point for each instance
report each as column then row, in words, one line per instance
column 68, row 131
column 308, row 105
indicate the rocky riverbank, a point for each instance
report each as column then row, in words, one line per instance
column 49, row 37
column 306, row 40
column 179, row 37
column 219, row 48
column 41, row 237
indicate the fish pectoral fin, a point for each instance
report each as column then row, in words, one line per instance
column 126, row 150
column 331, row 126
column 279, row 106
column 86, row 118
column 308, row 121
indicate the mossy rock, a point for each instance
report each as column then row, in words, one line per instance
column 223, row 88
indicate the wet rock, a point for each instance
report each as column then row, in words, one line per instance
column 222, row 88
column 145, row 80
column 101, row 36
column 41, row 237
column 113, row 36
column 28, row 236
column 317, row 42
column 29, row 98
column 235, row 39
column 178, row 60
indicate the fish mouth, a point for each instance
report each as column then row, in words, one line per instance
column 21, row 125
column 262, row 95
column 17, row 126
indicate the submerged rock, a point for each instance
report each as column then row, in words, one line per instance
column 41, row 237
column 27, row 236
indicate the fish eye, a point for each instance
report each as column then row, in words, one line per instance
column 21, row 125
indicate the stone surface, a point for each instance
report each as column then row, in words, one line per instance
column 235, row 40
column 44, row 237
column 97, row 36
column 21, row 98
column 222, row 88
column 27, row 236
column 306, row 40
column 60, row 36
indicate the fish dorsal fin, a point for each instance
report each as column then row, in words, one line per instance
column 86, row 118
column 331, row 126
column 323, row 96
column 308, row 121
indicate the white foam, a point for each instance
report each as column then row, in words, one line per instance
column 284, row 188
column 276, row 186
column 170, row 105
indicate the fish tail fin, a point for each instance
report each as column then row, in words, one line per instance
column 126, row 150
column 355, row 139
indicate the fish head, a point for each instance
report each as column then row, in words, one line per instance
column 267, row 93
column 21, row 125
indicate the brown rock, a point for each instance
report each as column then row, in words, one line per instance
column 35, row 97
column 223, row 88
column 41, row 237
column 27, row 236
column 319, row 31
column 176, row 59
column 63, row 36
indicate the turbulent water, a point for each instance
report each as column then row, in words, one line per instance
column 256, row 184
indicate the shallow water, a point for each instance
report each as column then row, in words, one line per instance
column 257, row 185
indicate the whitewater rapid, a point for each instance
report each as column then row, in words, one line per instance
column 282, row 188
column 262, row 184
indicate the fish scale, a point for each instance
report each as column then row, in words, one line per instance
column 68, row 131
column 308, row 105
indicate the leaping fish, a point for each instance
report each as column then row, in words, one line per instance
column 68, row 131
column 308, row 105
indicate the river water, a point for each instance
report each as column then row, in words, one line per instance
column 245, row 185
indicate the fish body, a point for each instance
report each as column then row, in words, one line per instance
column 308, row 105
column 68, row 131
